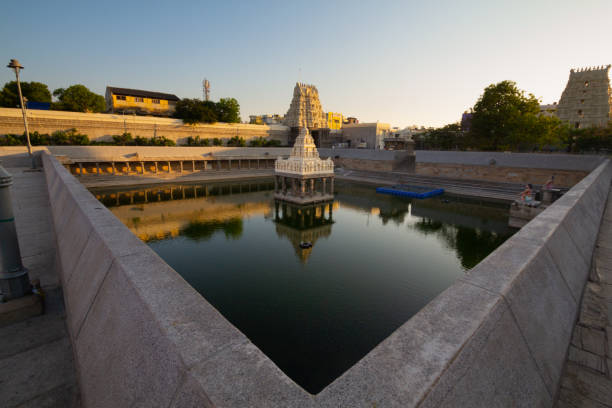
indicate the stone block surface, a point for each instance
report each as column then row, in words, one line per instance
column 242, row 376
column 194, row 327
column 124, row 357
column 500, row 372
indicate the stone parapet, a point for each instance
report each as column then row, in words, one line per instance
column 497, row 337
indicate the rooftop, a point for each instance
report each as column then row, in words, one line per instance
column 142, row 93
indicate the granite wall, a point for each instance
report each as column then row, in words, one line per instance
column 497, row 337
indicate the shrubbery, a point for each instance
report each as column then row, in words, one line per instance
column 261, row 142
column 58, row 138
column 236, row 141
column 196, row 141
column 72, row 138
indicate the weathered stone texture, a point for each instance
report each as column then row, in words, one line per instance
column 587, row 98
column 563, row 178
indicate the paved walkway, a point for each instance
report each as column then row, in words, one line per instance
column 587, row 381
column 36, row 366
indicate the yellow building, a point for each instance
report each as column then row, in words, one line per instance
column 334, row 120
column 136, row 101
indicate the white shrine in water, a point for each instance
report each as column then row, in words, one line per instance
column 304, row 178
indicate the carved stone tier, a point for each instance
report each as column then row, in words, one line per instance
column 305, row 108
column 304, row 178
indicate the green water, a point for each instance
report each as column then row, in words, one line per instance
column 375, row 261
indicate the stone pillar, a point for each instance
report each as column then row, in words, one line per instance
column 193, row 166
column 142, row 167
column 283, row 185
column 169, row 167
column 181, row 162
column 302, row 188
column 312, row 187
column 98, row 168
column 229, row 164
column 324, row 180
column 239, row 164
column 258, row 163
column 128, row 167
column 156, row 168
column 276, row 186
column 80, row 169
column 331, row 182
column 114, row 169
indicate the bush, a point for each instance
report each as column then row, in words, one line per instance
column 196, row 141
column 12, row 140
column 124, row 139
column 217, row 142
column 161, row 141
column 236, row 141
column 261, row 142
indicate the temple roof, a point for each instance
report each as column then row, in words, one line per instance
column 304, row 158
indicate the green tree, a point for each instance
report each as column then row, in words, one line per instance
column 505, row 119
column 78, row 98
column 33, row 91
column 449, row 137
column 228, row 110
column 196, row 111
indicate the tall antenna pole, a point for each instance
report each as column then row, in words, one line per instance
column 206, row 89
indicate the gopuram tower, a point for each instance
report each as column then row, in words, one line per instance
column 304, row 178
column 587, row 98
column 305, row 111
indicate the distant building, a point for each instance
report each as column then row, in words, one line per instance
column 334, row 120
column 365, row 135
column 399, row 139
column 272, row 119
column 587, row 98
column 549, row 110
column 350, row 120
column 139, row 102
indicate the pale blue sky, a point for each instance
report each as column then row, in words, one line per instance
column 401, row 62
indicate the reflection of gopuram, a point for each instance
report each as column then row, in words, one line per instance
column 303, row 223
column 303, row 178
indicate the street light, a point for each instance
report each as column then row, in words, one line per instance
column 14, row 64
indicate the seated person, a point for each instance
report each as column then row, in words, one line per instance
column 549, row 183
column 526, row 194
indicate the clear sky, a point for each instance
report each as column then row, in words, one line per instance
column 401, row 62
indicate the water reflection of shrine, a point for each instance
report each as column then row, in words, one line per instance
column 303, row 223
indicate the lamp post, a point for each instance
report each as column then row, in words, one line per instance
column 14, row 64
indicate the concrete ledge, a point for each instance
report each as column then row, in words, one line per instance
column 497, row 337
column 16, row 310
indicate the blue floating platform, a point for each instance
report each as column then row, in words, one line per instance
column 410, row 191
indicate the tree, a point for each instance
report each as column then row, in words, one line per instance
column 33, row 91
column 449, row 137
column 228, row 110
column 78, row 98
column 505, row 119
column 195, row 111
